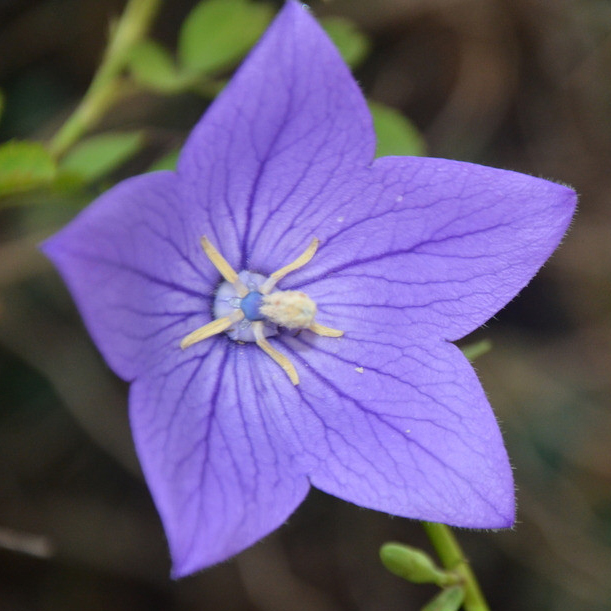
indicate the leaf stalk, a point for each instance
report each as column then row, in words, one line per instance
column 105, row 88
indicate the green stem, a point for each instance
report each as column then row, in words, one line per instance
column 453, row 558
column 105, row 88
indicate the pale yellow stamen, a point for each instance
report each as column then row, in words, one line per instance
column 278, row 357
column 325, row 331
column 300, row 261
column 212, row 328
column 290, row 309
column 221, row 264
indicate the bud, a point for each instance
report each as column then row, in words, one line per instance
column 414, row 565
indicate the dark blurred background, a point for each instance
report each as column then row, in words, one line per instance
column 518, row 84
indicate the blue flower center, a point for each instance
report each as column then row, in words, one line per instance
column 250, row 306
column 228, row 302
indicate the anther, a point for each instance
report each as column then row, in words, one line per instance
column 290, row 309
column 278, row 357
column 324, row 331
column 300, row 261
column 212, row 328
column 223, row 267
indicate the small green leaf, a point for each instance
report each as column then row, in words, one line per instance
column 24, row 165
column 414, row 565
column 449, row 599
column 477, row 349
column 152, row 67
column 350, row 41
column 167, row 162
column 396, row 135
column 97, row 156
column 218, row 33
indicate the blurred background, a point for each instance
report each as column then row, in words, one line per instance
column 518, row 84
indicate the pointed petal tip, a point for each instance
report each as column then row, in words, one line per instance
column 562, row 204
column 567, row 196
column 558, row 193
column 489, row 518
column 505, row 518
column 509, row 521
column 295, row 6
column 194, row 563
column 53, row 248
column 502, row 510
column 48, row 245
column 190, row 563
column 45, row 248
column 184, row 568
column 570, row 199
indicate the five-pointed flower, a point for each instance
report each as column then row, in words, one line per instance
column 308, row 341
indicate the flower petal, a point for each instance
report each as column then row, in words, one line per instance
column 290, row 120
column 431, row 247
column 401, row 428
column 219, row 480
column 131, row 261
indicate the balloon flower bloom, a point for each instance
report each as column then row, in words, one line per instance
column 284, row 306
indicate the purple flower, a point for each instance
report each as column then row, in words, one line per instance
column 248, row 386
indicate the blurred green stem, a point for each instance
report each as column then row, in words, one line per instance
column 453, row 558
column 105, row 88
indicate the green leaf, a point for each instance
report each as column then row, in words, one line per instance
column 396, row 134
column 96, row 157
column 414, row 565
column 152, row 67
column 218, row 33
column 350, row 41
column 167, row 162
column 449, row 599
column 477, row 349
column 24, row 165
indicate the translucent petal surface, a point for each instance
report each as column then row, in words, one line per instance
column 400, row 427
column 219, row 479
column 428, row 247
column 291, row 120
column 135, row 267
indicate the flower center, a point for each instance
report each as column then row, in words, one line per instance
column 249, row 308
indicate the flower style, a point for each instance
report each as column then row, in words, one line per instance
column 301, row 229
